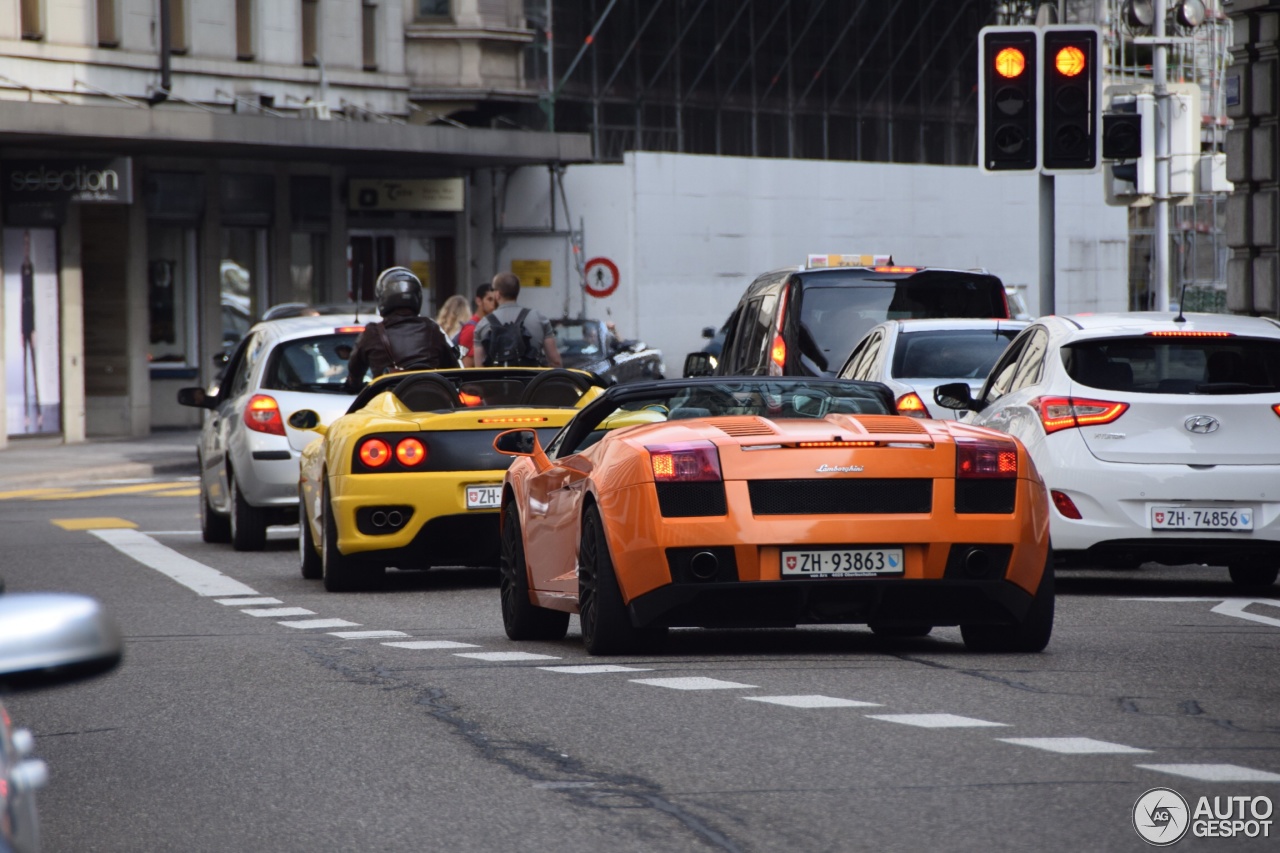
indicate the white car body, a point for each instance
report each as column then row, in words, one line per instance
column 900, row 353
column 1187, row 472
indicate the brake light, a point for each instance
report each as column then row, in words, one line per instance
column 777, row 356
column 1190, row 334
column 912, row 406
column 1057, row 413
column 530, row 419
column 837, row 444
column 1064, row 504
column 986, row 458
column 263, row 415
column 375, row 452
column 1276, row 408
column 687, row 462
column 470, row 400
column 349, row 330
column 410, row 452
column 897, row 269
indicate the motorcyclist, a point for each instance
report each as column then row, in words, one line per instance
column 402, row 340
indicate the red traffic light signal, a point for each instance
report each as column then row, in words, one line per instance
column 1071, row 83
column 1007, row 99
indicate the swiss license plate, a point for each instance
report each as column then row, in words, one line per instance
column 841, row 562
column 1201, row 518
column 484, row 496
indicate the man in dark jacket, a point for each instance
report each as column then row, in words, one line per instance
column 402, row 340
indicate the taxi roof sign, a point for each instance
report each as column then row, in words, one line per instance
column 819, row 261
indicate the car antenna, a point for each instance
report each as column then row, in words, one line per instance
column 1182, row 298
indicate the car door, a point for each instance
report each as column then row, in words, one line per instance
column 553, row 513
column 228, row 415
column 213, row 434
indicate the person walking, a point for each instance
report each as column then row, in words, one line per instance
column 402, row 340
column 451, row 316
column 513, row 335
column 486, row 301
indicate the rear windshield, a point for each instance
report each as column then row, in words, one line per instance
column 950, row 353
column 316, row 364
column 836, row 317
column 1176, row 365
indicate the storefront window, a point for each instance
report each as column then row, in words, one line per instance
column 243, row 280
column 171, row 289
column 307, row 267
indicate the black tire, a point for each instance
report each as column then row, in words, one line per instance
column 899, row 630
column 1030, row 635
column 248, row 525
column 308, row 557
column 341, row 573
column 522, row 619
column 605, row 621
column 1251, row 577
column 213, row 526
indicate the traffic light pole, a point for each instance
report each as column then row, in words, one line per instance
column 1048, row 247
column 1160, row 75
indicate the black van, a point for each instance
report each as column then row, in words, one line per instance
column 806, row 321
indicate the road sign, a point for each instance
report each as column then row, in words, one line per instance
column 602, row 277
column 532, row 273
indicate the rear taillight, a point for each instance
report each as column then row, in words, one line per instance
column 777, row 356
column 687, row 462
column 263, row 415
column 1064, row 504
column 1066, row 412
column 410, row 452
column 912, row 406
column 986, row 458
column 1276, row 408
column 374, row 452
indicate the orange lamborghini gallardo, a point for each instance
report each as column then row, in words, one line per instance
column 771, row 501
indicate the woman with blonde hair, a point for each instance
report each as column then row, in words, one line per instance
column 453, row 313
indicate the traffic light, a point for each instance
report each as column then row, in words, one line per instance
column 1128, row 144
column 1007, row 99
column 1071, row 82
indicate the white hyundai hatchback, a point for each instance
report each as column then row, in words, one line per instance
column 248, row 453
column 1158, row 436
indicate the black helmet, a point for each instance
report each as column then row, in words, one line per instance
column 398, row 287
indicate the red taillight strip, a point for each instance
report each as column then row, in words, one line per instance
column 530, row 419
column 1058, row 413
column 1190, row 334
column 838, row 444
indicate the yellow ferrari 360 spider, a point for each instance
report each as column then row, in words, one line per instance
column 408, row 477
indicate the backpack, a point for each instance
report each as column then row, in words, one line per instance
column 508, row 345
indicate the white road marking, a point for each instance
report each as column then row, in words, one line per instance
column 281, row 611
column 367, row 635
column 1072, row 745
column 196, row 577
column 321, row 623
column 694, row 683
column 248, row 601
column 502, row 656
column 172, row 532
column 592, row 669
column 431, row 644
column 812, row 701
column 1227, row 607
column 934, row 721
column 1215, row 772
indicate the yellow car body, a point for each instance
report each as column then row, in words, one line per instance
column 365, row 506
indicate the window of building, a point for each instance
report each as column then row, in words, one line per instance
column 369, row 28
column 108, row 23
column 310, row 31
column 32, row 19
column 244, row 30
column 171, row 290
column 178, row 41
column 428, row 9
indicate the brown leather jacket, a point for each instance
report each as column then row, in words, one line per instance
column 416, row 343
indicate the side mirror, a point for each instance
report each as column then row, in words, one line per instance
column 196, row 397
column 956, row 395
column 306, row 420
column 699, row 364
column 51, row 638
column 517, row 442
column 220, row 359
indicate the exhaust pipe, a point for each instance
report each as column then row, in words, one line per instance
column 704, row 565
column 379, row 519
column 976, row 563
column 394, row 518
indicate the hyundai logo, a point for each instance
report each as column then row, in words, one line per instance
column 1201, row 424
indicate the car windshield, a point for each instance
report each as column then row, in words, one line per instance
column 949, row 353
column 316, row 364
column 1176, row 365
column 577, row 339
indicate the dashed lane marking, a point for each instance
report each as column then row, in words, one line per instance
column 196, row 577
column 433, row 644
column 245, row 602
column 1214, row 772
column 367, row 635
column 320, row 623
column 934, row 721
column 594, row 669
column 693, row 683
column 505, row 656
column 1072, row 745
column 31, row 493
column 282, row 611
column 812, row 701
column 138, row 489
column 178, row 493
column 93, row 523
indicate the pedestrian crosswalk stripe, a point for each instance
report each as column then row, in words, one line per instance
column 505, row 656
column 593, row 669
column 1215, row 772
column 281, row 611
column 320, row 623
column 93, row 523
column 431, row 644
column 812, row 701
column 694, row 683
column 934, row 721
column 1072, row 745
column 367, row 635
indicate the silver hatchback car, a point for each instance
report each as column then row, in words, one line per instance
column 248, row 453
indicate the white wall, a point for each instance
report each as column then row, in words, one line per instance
column 688, row 232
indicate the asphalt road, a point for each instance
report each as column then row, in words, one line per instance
column 234, row 726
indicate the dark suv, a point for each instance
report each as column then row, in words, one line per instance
column 806, row 321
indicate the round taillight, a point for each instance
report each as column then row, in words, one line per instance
column 375, row 452
column 410, row 452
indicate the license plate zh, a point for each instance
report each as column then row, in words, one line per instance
column 1201, row 518
column 484, row 496
column 841, row 562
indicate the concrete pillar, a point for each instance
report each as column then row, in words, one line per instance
column 72, row 332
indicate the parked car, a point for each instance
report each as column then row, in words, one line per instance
column 805, row 321
column 912, row 357
column 1158, row 436
column 45, row 639
column 592, row 345
column 770, row 501
column 247, row 452
column 408, row 476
